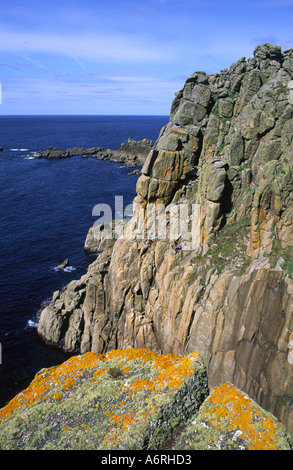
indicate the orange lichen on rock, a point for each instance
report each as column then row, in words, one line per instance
column 130, row 354
column 258, row 428
column 124, row 399
column 60, row 376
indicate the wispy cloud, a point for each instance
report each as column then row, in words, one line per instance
column 34, row 62
column 118, row 47
column 89, row 91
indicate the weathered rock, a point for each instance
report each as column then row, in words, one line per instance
column 101, row 237
column 241, row 116
column 135, row 400
column 63, row 264
column 130, row 154
column 230, row 420
column 126, row 400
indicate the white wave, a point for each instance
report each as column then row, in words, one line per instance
column 31, row 324
column 68, row 269
column 30, row 158
column 19, row 150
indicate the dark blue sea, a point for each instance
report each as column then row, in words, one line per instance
column 46, row 211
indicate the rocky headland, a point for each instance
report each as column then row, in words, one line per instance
column 226, row 297
column 130, row 153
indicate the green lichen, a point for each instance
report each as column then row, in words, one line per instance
column 230, row 420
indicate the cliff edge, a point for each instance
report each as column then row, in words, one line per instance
column 220, row 283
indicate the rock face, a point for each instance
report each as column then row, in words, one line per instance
column 226, row 154
column 134, row 400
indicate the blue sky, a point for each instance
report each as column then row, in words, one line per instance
column 124, row 56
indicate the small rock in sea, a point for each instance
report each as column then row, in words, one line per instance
column 63, row 264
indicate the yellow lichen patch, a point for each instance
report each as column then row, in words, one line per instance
column 70, row 382
column 162, row 362
column 57, row 396
column 176, row 374
column 227, row 404
column 46, row 380
column 172, row 372
column 130, row 354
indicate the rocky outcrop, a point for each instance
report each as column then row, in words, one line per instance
column 226, row 156
column 55, row 153
column 130, row 154
column 134, row 400
column 62, row 265
column 124, row 400
column 230, row 420
column 232, row 130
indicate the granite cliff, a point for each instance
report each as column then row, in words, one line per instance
column 226, row 156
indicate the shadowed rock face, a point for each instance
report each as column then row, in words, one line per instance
column 227, row 148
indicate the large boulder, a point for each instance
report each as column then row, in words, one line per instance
column 125, row 400
column 230, row 420
column 135, row 400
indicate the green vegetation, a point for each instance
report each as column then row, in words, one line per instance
column 231, row 246
column 194, row 191
column 222, row 146
column 286, row 253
